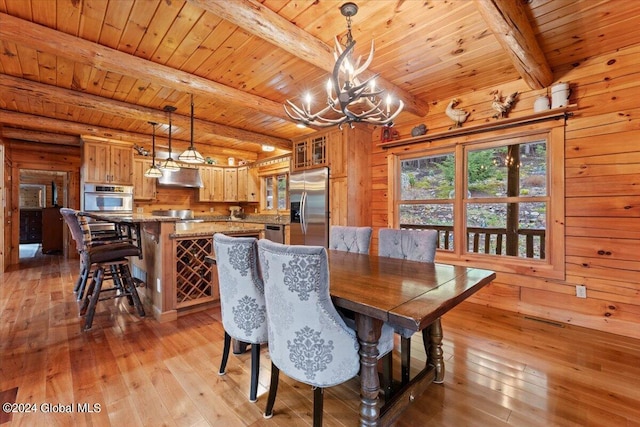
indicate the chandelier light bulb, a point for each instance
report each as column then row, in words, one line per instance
column 307, row 98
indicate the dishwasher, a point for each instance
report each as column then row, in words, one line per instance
column 274, row 232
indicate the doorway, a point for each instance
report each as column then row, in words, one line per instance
column 42, row 231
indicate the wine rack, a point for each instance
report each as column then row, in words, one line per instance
column 193, row 274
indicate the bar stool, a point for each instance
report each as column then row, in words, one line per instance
column 108, row 261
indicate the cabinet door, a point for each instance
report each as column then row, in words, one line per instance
column 243, row 173
column 253, row 185
column 96, row 162
column 299, row 155
column 206, row 191
column 337, row 159
column 317, row 147
column 217, row 175
column 231, row 185
column 121, row 165
column 143, row 188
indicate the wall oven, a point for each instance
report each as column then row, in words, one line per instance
column 106, row 198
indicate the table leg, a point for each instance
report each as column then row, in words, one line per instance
column 432, row 338
column 369, row 331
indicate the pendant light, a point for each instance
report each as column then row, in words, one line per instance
column 170, row 165
column 191, row 155
column 154, row 171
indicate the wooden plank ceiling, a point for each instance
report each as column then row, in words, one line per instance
column 108, row 67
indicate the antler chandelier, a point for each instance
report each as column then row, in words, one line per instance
column 349, row 99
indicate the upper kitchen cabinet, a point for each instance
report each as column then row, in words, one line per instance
column 107, row 163
column 347, row 153
column 143, row 188
column 212, row 189
column 310, row 151
column 231, row 185
column 248, row 184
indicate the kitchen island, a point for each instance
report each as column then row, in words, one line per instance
column 173, row 269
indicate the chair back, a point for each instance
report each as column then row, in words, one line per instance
column 308, row 340
column 242, row 301
column 414, row 245
column 350, row 239
column 78, row 227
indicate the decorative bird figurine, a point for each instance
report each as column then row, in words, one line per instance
column 503, row 107
column 455, row 114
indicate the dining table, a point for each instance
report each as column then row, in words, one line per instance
column 401, row 293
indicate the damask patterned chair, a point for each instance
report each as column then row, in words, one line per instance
column 242, row 305
column 414, row 245
column 350, row 239
column 308, row 340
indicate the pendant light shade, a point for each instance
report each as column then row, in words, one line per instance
column 154, row 171
column 170, row 165
column 191, row 155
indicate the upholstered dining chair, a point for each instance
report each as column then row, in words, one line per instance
column 242, row 305
column 414, row 245
column 350, row 239
column 308, row 340
column 106, row 260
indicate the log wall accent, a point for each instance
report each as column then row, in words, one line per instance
column 602, row 197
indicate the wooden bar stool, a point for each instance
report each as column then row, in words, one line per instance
column 123, row 286
column 105, row 259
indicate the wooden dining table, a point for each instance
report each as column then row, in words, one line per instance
column 402, row 293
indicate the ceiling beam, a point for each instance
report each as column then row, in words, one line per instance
column 55, row 95
column 57, row 43
column 508, row 21
column 13, row 118
column 262, row 22
column 38, row 136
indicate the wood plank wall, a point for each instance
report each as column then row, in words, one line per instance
column 602, row 197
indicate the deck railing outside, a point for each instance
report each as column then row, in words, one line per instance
column 489, row 240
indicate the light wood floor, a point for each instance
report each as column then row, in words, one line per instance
column 501, row 369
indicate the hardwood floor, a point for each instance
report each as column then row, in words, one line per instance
column 502, row 369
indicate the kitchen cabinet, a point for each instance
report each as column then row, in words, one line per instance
column 310, row 151
column 231, row 185
column 105, row 162
column 347, row 153
column 248, row 184
column 350, row 176
column 212, row 189
column 143, row 188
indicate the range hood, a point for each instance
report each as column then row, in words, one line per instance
column 183, row 177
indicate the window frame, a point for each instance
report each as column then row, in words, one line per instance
column 274, row 189
column 553, row 266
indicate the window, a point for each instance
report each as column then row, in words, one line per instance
column 275, row 192
column 496, row 200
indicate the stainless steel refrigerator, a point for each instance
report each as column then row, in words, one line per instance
column 309, row 198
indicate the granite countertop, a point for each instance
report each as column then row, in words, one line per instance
column 203, row 226
column 132, row 219
column 256, row 218
column 208, row 229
